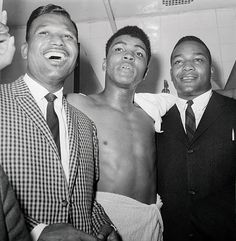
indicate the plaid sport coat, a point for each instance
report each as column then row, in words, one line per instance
column 12, row 224
column 30, row 158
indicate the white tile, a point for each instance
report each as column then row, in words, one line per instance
column 226, row 17
column 100, row 29
column 170, row 22
column 83, row 29
column 228, row 52
column 121, row 22
column 227, row 35
column 198, row 19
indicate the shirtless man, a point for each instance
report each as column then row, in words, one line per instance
column 126, row 139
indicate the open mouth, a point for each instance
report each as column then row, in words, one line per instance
column 55, row 56
column 127, row 67
column 188, row 77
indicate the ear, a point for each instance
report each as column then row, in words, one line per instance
column 212, row 70
column 145, row 73
column 104, row 64
column 171, row 74
column 24, row 50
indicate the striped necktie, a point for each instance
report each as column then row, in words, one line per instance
column 52, row 119
column 190, row 122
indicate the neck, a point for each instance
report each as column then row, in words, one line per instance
column 52, row 85
column 118, row 98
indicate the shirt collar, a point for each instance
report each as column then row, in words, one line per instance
column 38, row 91
column 199, row 103
column 202, row 100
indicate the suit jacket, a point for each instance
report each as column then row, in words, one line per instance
column 196, row 180
column 30, row 158
column 12, row 223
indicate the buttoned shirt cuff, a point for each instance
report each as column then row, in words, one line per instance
column 35, row 233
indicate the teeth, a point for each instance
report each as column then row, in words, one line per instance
column 54, row 55
column 188, row 77
column 126, row 66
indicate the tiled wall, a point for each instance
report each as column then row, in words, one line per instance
column 216, row 27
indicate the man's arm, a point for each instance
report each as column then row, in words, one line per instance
column 65, row 232
column 155, row 105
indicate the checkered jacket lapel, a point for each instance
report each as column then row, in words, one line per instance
column 74, row 141
column 32, row 110
column 78, row 142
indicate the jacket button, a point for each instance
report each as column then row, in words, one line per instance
column 192, row 192
column 64, row 203
column 190, row 151
column 191, row 235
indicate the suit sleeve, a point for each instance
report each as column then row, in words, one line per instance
column 99, row 217
column 14, row 220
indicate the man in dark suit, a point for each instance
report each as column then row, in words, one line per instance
column 196, row 150
column 53, row 172
column 197, row 157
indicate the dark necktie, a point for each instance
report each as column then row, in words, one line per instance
column 190, row 122
column 52, row 119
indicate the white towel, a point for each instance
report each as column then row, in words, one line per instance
column 155, row 105
column 134, row 220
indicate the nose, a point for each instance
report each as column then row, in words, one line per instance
column 188, row 66
column 57, row 40
column 128, row 56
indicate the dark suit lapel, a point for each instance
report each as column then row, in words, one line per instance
column 27, row 102
column 74, row 141
column 212, row 112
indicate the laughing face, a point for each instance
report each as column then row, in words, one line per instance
column 126, row 61
column 51, row 50
column 190, row 69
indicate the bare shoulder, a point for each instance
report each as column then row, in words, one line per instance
column 79, row 100
column 140, row 116
column 74, row 97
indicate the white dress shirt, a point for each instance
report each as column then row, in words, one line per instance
column 39, row 92
column 199, row 105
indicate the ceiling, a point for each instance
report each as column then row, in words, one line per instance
column 95, row 10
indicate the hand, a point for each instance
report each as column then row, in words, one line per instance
column 64, row 232
column 108, row 233
column 7, row 42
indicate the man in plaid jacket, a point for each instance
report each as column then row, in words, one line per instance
column 54, row 185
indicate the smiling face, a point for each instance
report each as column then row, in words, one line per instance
column 126, row 61
column 190, row 69
column 51, row 50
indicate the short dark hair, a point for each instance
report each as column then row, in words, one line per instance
column 191, row 38
column 134, row 32
column 50, row 8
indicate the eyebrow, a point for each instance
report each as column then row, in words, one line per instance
column 45, row 26
column 136, row 45
column 197, row 53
